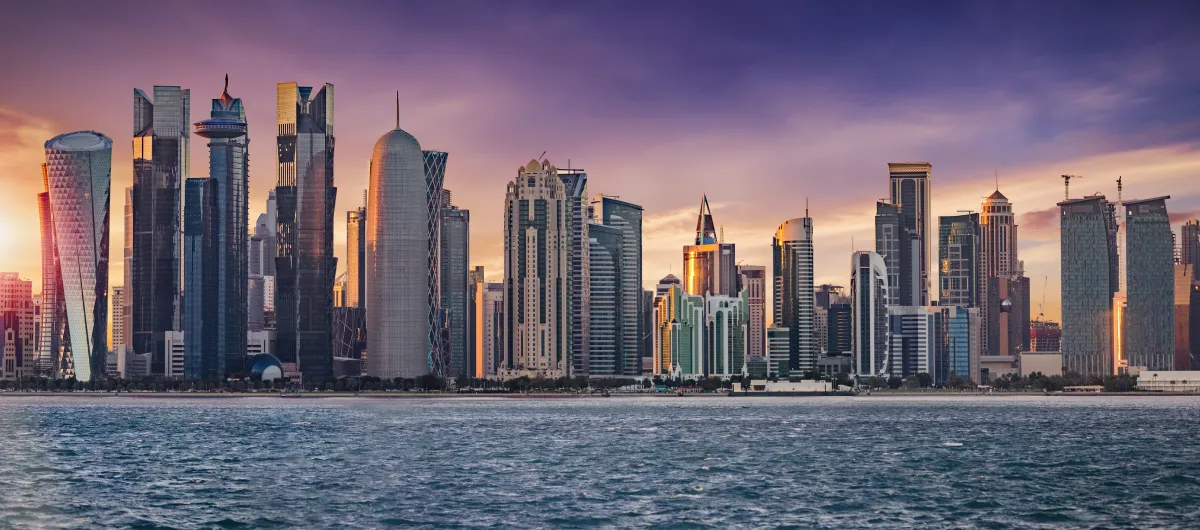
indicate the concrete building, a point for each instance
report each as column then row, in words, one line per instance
column 1048, row 363
column 679, row 337
column 305, row 197
column 1045, row 336
column 792, row 255
column 710, row 265
column 910, row 184
column 118, row 316
column 79, row 176
column 538, row 331
column 1090, row 275
column 1149, row 323
column 356, row 257
column 998, row 237
column 489, row 324
column 868, row 313
column 398, row 259
column 18, row 327
column 913, row 335
column 754, row 283
column 161, row 165
column 1008, row 332
column 725, row 330
column 1168, row 381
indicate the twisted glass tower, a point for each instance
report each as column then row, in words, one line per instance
column 79, row 173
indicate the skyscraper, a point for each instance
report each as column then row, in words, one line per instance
column 1189, row 245
column 613, row 212
column 679, row 337
column 1149, row 264
column 456, row 288
column 537, row 269
column 489, row 325
column 228, row 166
column 960, row 275
column 754, row 282
column 709, row 266
column 126, row 337
column 305, row 195
column 398, row 259
column 901, row 252
column 118, row 316
column 161, row 162
column 998, row 237
column 1089, row 280
column 792, row 252
column 1187, row 318
column 868, row 314
column 910, row 190
column 725, row 335
column 203, row 358
column 605, row 341
column 356, row 253
column 913, row 335
column 79, row 168
column 438, row 358
column 54, row 345
column 574, row 182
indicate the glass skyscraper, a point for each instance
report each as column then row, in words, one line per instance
column 456, row 289
column 612, row 211
column 79, row 178
column 792, row 252
column 1149, row 325
column 54, row 346
column 901, row 252
column 305, row 196
column 217, row 293
column 605, row 348
column 1089, row 280
column 575, row 182
column 161, row 162
column 868, row 314
column 710, row 265
column 438, row 351
column 910, row 190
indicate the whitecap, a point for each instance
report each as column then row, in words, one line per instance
column 301, row 423
column 199, row 423
column 951, row 444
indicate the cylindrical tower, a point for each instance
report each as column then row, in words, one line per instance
column 397, row 259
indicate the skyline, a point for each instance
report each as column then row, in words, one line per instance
column 758, row 120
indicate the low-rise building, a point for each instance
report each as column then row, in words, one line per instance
column 1048, row 363
column 1169, row 381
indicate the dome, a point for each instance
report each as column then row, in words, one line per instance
column 533, row 166
column 80, row 141
column 265, row 367
column 671, row 279
column 1006, row 306
column 397, row 139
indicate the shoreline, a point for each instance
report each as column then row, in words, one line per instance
column 549, row 395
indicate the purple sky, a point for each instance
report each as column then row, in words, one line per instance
column 758, row 105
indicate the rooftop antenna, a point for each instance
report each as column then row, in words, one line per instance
column 226, row 84
column 722, row 240
column 997, row 179
column 806, row 207
column 397, row 109
column 1118, row 190
column 539, row 158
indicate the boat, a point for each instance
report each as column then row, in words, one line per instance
column 289, row 394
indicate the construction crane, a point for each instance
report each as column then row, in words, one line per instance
column 1067, row 185
column 1042, row 306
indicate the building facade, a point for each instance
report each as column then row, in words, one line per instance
column 678, row 333
column 613, row 212
column 1089, row 281
column 1149, row 272
column 398, row 259
column 910, row 190
column 754, row 283
column 779, row 345
column 1189, row 245
column 305, row 195
column 18, row 327
column 574, row 181
column 901, row 252
column 606, row 347
column 54, row 352
column 538, row 236
column 792, row 255
column 161, row 162
column 913, row 338
column 456, row 289
column 356, row 257
column 998, row 237
column 868, row 314
column 725, row 330
column 199, row 338
column 489, row 323
column 79, row 169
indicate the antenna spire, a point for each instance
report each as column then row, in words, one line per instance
column 226, row 84
column 397, row 109
column 997, row 180
column 806, row 206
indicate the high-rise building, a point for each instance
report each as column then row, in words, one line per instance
column 79, row 168
column 679, row 337
column 754, row 282
column 1189, row 245
column 1187, row 318
column 901, row 252
column 161, row 162
column 398, row 259
column 998, row 237
column 1008, row 315
column 456, row 288
column 1149, row 269
column 606, row 348
column 356, row 256
column 126, row 336
column 960, row 345
column 574, row 182
column 262, row 253
column 868, row 314
column 489, row 324
column 648, row 338
column 710, row 265
column 436, row 197
column 725, row 333
column 18, row 327
column 912, row 341
column 613, row 212
column 839, row 327
column 537, row 267
column 225, row 319
column 118, row 300
column 665, row 285
column 1089, row 280
column 779, row 345
column 202, row 358
column 54, row 350
column 305, row 195
column 961, row 277
column 792, row 254
column 910, row 190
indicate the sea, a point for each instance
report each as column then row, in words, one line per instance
column 621, row 462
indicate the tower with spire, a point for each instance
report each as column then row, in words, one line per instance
column 709, row 265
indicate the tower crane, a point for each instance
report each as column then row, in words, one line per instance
column 1067, row 185
column 1042, row 306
